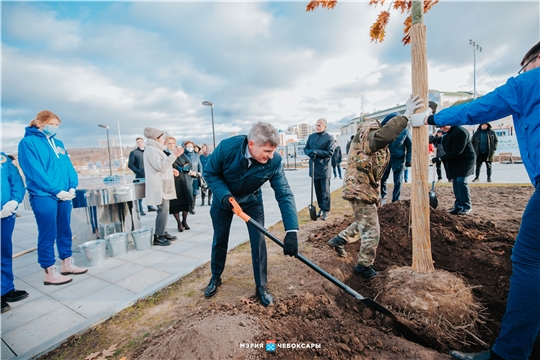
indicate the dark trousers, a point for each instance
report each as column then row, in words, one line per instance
column 337, row 170
column 8, row 224
column 483, row 158
column 322, row 191
column 221, row 221
column 521, row 322
column 439, row 172
column 398, row 181
column 462, row 193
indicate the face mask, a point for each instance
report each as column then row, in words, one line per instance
column 189, row 148
column 50, row 130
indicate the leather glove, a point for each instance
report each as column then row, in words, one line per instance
column 412, row 104
column 64, row 195
column 417, row 120
column 9, row 208
column 226, row 203
column 408, row 164
column 435, row 159
column 307, row 152
column 290, row 244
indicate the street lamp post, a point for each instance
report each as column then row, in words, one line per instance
column 475, row 47
column 211, row 104
column 108, row 147
column 121, row 149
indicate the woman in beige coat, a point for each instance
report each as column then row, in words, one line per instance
column 159, row 182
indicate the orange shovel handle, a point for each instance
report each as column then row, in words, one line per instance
column 238, row 210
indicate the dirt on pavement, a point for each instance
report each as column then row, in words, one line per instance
column 311, row 317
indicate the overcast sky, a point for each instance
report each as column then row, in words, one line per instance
column 145, row 64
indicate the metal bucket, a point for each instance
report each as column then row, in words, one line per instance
column 117, row 244
column 143, row 238
column 94, row 252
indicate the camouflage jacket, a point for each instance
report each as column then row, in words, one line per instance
column 368, row 158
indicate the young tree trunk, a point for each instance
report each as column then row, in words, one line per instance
column 422, row 260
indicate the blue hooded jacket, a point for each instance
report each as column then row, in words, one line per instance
column 519, row 97
column 227, row 172
column 45, row 164
column 12, row 184
column 401, row 148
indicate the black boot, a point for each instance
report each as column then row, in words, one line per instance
column 202, row 198
column 263, row 295
column 160, row 240
column 338, row 244
column 212, row 287
column 192, row 211
column 366, row 271
column 14, row 295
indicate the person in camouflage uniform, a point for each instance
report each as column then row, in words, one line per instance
column 367, row 161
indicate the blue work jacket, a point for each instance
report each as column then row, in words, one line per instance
column 12, row 184
column 227, row 172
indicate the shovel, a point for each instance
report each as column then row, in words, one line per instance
column 367, row 301
column 312, row 209
column 433, row 202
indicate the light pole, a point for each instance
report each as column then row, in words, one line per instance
column 475, row 47
column 108, row 147
column 121, row 149
column 211, row 104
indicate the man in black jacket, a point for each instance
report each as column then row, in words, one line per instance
column 484, row 142
column 459, row 156
column 336, row 160
column 136, row 164
column 320, row 147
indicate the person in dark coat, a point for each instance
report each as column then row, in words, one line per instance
column 136, row 164
column 183, row 184
column 320, row 147
column 484, row 142
column 348, row 146
column 400, row 157
column 459, row 156
column 238, row 167
column 336, row 160
column 440, row 152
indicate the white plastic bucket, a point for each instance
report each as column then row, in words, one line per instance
column 117, row 244
column 143, row 238
column 94, row 252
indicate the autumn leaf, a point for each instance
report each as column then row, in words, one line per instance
column 376, row 32
column 403, row 5
column 406, row 30
column 110, row 351
column 328, row 4
column 92, row 356
column 246, row 301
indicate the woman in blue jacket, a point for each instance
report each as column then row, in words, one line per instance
column 51, row 181
column 519, row 97
column 12, row 195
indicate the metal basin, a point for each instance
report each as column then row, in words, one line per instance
column 143, row 238
column 94, row 252
column 117, row 244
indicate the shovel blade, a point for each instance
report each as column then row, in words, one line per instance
column 433, row 202
column 378, row 307
column 312, row 212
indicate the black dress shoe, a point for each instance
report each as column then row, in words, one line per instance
column 464, row 212
column 5, row 306
column 211, row 289
column 186, row 227
column 263, row 295
column 454, row 211
column 160, row 240
column 169, row 236
column 15, row 295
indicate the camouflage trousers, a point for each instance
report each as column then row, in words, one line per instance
column 366, row 229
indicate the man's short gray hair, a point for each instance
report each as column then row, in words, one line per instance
column 263, row 133
column 325, row 123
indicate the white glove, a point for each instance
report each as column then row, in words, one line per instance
column 9, row 208
column 71, row 193
column 413, row 104
column 64, row 195
column 417, row 120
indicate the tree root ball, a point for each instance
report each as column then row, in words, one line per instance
column 438, row 303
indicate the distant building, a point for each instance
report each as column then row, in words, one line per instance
column 304, row 130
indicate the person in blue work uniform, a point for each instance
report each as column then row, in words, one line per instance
column 400, row 157
column 12, row 196
column 519, row 97
column 320, row 148
column 238, row 168
column 51, row 181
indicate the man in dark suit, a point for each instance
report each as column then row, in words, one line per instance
column 238, row 168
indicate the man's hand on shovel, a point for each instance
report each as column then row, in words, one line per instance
column 290, row 244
